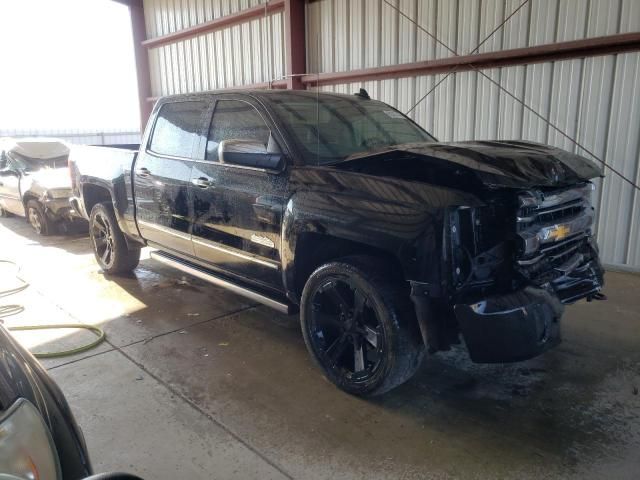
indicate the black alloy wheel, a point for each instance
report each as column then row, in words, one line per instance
column 348, row 334
column 359, row 326
column 109, row 245
column 103, row 240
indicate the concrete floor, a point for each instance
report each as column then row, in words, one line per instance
column 195, row 382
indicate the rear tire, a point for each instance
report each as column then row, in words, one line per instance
column 38, row 219
column 358, row 326
column 108, row 242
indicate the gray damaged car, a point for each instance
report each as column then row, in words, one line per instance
column 35, row 184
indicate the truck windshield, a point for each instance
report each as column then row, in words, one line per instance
column 331, row 128
column 29, row 164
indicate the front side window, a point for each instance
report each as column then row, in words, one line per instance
column 177, row 128
column 234, row 119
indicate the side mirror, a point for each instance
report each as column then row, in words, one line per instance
column 248, row 153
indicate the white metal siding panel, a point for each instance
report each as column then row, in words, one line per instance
column 341, row 47
column 389, row 34
column 251, row 52
column 466, row 84
column 369, row 33
column 515, row 33
column 373, row 27
column 356, row 11
column 510, row 112
column 487, row 107
column 426, row 17
column 491, row 15
column 630, row 16
column 622, row 153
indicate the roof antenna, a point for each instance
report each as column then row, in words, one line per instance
column 363, row 94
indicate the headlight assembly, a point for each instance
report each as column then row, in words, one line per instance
column 26, row 447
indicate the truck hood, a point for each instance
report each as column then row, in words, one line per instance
column 49, row 178
column 494, row 164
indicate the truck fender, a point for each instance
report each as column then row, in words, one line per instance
column 362, row 227
column 115, row 192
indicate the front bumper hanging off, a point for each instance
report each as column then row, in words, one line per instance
column 512, row 327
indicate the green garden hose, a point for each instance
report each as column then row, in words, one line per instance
column 8, row 310
column 63, row 353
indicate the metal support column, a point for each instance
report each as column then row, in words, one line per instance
column 139, row 30
column 294, row 21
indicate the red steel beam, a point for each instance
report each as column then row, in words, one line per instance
column 141, row 55
column 217, row 23
column 590, row 47
column 295, row 48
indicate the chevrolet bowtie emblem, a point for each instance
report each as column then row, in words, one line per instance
column 557, row 232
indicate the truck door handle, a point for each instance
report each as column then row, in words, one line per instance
column 201, row 182
column 143, row 172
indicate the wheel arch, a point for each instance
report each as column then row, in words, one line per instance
column 314, row 249
column 29, row 195
column 94, row 193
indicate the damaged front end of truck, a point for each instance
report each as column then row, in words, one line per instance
column 511, row 279
column 509, row 266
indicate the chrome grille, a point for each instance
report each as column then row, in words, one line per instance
column 554, row 229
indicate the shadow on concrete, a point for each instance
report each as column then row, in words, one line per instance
column 75, row 242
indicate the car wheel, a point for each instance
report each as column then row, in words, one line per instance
column 108, row 242
column 37, row 218
column 360, row 327
column 4, row 213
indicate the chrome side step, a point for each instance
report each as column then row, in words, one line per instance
column 211, row 278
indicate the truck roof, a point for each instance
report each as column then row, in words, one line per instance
column 255, row 92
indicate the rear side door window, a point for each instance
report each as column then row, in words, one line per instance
column 235, row 119
column 177, row 128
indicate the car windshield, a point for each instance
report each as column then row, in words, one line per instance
column 330, row 128
column 29, row 164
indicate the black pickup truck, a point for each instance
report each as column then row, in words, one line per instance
column 388, row 242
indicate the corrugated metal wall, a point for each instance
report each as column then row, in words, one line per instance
column 239, row 55
column 594, row 100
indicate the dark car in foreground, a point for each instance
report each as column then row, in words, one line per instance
column 389, row 242
column 34, row 183
column 39, row 437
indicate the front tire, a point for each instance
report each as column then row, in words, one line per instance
column 108, row 242
column 38, row 219
column 358, row 326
